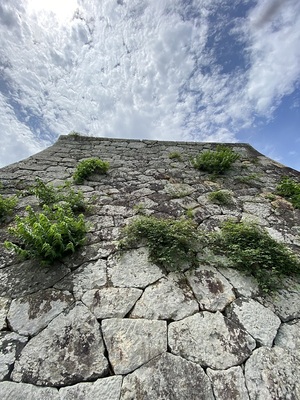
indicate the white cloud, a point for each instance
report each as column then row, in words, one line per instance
column 139, row 69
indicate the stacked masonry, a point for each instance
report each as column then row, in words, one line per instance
column 105, row 325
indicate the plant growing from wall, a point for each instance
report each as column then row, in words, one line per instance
column 172, row 243
column 49, row 235
column 290, row 190
column 250, row 248
column 50, row 195
column 222, row 197
column 7, row 205
column 215, row 162
column 87, row 167
column 175, row 155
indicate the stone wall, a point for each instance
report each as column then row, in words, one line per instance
column 108, row 325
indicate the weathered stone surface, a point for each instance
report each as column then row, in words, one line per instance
column 288, row 337
column 211, row 289
column 68, row 351
column 259, row 321
column 30, row 314
column 10, row 345
column 88, row 276
column 133, row 269
column 210, row 340
column 228, row 384
column 104, row 388
column 273, row 374
column 167, row 377
column 285, row 304
column 244, row 285
column 29, row 277
column 25, row 391
column 169, row 298
column 4, row 307
column 133, row 342
column 111, row 302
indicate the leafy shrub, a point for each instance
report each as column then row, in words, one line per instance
column 220, row 197
column 251, row 249
column 49, row 235
column 172, row 243
column 89, row 166
column 290, row 190
column 175, row 155
column 7, row 204
column 50, row 195
column 215, row 162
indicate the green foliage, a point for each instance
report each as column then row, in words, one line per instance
column 172, row 243
column 74, row 134
column 50, row 195
column 47, row 236
column 89, row 166
column 222, row 197
column 175, row 155
column 290, row 190
column 215, row 162
column 7, row 205
column 251, row 249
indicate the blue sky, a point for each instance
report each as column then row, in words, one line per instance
column 196, row 70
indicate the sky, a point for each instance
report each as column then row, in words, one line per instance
column 185, row 70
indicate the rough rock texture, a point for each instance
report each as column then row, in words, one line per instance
column 273, row 374
column 132, row 343
column 167, row 377
column 201, row 337
column 167, row 299
column 30, row 314
column 68, row 351
column 24, row 391
column 67, row 330
column 105, row 388
column 256, row 319
column 228, row 384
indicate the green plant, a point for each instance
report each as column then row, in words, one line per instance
column 250, row 248
column 49, row 235
column 290, row 190
column 172, row 243
column 223, row 197
column 175, row 155
column 50, row 195
column 139, row 208
column 74, row 134
column 89, row 166
column 189, row 213
column 217, row 161
column 7, row 204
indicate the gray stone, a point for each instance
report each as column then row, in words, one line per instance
column 169, row 298
column 24, row 391
column 167, row 377
column 88, row 276
column 259, row 321
column 211, row 289
column 228, row 384
column 68, row 351
column 273, row 373
column 30, row 314
column 244, row 285
column 103, row 388
column 210, row 340
column 111, row 302
column 4, row 307
column 133, row 269
column 288, row 337
column 285, row 303
column 10, row 344
column 133, row 342
column 29, row 277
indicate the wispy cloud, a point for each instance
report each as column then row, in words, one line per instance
column 143, row 69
